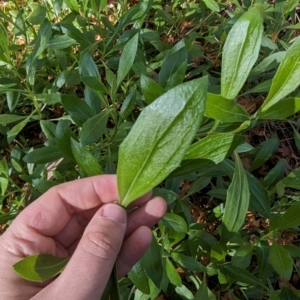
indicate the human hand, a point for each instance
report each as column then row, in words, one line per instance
column 77, row 218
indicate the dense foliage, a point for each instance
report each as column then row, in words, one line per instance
column 76, row 75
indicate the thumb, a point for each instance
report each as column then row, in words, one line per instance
column 89, row 269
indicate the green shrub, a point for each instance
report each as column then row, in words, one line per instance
column 75, row 76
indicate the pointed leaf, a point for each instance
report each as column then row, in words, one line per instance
column 286, row 79
column 224, row 110
column 94, row 128
column 237, row 201
column 40, row 267
column 281, row 260
column 280, row 110
column 150, row 89
column 172, row 273
column 158, row 140
column 127, row 57
column 215, row 147
column 240, row 52
column 85, row 159
column 43, row 155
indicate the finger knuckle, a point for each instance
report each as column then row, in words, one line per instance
column 99, row 244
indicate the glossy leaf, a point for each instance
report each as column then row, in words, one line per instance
column 153, row 149
column 242, row 257
column 79, row 111
column 40, row 267
column 286, row 77
column 259, row 199
column 268, row 148
column 38, row 15
column 94, row 128
column 289, row 219
column 240, row 52
column 242, row 275
column 174, row 222
column 188, row 262
column 215, row 147
column 85, row 159
column 152, row 263
column 281, row 260
column 212, row 5
column 7, row 119
column 172, row 273
column 61, row 42
column 224, row 110
column 280, row 110
column 174, row 66
column 63, row 135
column 237, row 201
column 150, row 89
column 275, row 174
column 43, row 155
column 139, row 278
column 127, row 57
column 293, row 179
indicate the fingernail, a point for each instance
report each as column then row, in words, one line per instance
column 114, row 212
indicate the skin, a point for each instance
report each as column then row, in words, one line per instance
column 78, row 219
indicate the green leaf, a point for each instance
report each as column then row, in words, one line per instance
column 286, row 77
column 281, row 260
column 215, row 147
column 49, row 99
column 293, row 179
column 268, row 148
column 289, row 219
column 43, row 155
column 127, row 58
column 174, row 222
column 72, row 4
column 94, row 128
column 280, row 110
column 41, row 43
column 38, row 15
column 152, row 263
column 184, row 292
column 218, row 252
column 95, row 84
column 88, row 67
column 203, row 292
column 242, row 275
column 224, row 110
column 61, row 42
column 240, row 52
column 160, row 137
column 79, row 111
column 259, row 199
column 63, row 135
column 12, row 98
column 48, row 129
column 212, row 5
column 7, row 119
column 188, row 262
column 174, row 66
column 242, row 257
column 172, row 273
column 150, row 89
column 16, row 129
column 139, row 278
column 85, row 159
column 237, row 201
column 276, row 174
column 41, row 267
